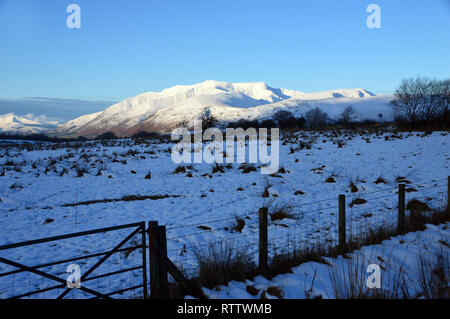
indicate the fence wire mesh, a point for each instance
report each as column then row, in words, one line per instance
column 297, row 227
column 120, row 275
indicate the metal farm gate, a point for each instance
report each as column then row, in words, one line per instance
column 49, row 281
column 17, row 261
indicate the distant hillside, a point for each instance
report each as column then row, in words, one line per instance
column 163, row 111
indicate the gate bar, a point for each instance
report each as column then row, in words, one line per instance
column 83, row 233
column 38, row 272
column 114, row 250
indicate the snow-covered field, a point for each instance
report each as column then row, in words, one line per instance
column 41, row 196
column 403, row 261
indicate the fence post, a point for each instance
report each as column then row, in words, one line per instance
column 189, row 286
column 263, row 240
column 153, row 238
column 144, row 259
column 401, row 208
column 158, row 255
column 342, row 223
column 163, row 262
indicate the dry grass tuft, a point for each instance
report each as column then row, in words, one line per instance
column 416, row 206
column 380, row 180
column 204, row 227
column 267, row 185
column 434, row 270
column 401, row 180
column 348, row 280
column 330, row 180
column 353, row 187
column 275, row 291
column 48, row 221
column 281, row 212
column 222, row 262
column 179, row 169
column 246, row 168
column 218, row 169
column 81, row 169
column 281, row 170
column 357, row 201
column 240, row 224
column 252, row 290
column 282, row 262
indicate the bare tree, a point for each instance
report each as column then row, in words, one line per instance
column 421, row 99
column 347, row 115
column 208, row 120
column 282, row 115
column 409, row 98
column 444, row 93
column 286, row 119
column 182, row 124
column 315, row 118
column 432, row 104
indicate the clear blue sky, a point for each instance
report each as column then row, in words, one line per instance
column 127, row 47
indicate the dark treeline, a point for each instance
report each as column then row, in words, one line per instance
column 39, row 137
column 422, row 103
column 419, row 104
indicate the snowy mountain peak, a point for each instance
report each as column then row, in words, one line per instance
column 162, row 111
column 27, row 124
column 353, row 93
column 255, row 90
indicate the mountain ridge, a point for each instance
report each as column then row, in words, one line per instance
column 228, row 102
column 28, row 124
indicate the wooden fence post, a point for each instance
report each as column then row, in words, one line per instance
column 163, row 262
column 401, row 208
column 144, row 259
column 189, row 286
column 153, row 238
column 159, row 287
column 342, row 223
column 263, row 240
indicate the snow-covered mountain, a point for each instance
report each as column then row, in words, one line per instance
column 28, row 124
column 162, row 111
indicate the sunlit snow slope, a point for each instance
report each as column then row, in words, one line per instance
column 162, row 111
column 11, row 123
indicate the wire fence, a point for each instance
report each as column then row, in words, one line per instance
column 114, row 271
column 300, row 226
